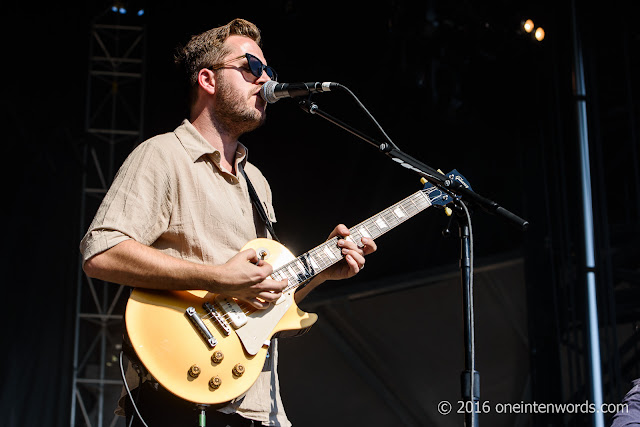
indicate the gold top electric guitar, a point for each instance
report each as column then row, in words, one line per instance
column 208, row 348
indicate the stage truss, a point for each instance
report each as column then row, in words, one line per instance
column 113, row 126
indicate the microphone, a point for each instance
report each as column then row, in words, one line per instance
column 272, row 91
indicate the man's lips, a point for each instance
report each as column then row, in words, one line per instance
column 260, row 99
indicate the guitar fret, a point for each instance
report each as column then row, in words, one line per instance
column 373, row 228
column 333, row 244
column 329, row 253
column 310, row 263
column 326, row 257
column 364, row 232
column 305, row 271
column 416, row 204
column 406, row 208
column 410, row 207
column 298, row 269
column 390, row 218
column 320, row 258
column 381, row 223
column 422, row 201
column 314, row 264
column 290, row 270
column 399, row 212
column 291, row 278
column 316, row 260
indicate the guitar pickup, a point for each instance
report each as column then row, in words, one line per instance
column 217, row 317
column 201, row 327
column 232, row 311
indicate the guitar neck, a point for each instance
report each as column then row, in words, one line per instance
column 318, row 259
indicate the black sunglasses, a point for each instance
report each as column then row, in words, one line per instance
column 255, row 66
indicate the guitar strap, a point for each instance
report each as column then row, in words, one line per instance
column 256, row 202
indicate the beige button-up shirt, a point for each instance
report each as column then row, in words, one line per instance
column 171, row 193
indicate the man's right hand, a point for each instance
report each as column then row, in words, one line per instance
column 246, row 277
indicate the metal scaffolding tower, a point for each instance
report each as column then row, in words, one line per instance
column 562, row 343
column 113, row 126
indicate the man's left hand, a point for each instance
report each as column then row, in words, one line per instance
column 353, row 253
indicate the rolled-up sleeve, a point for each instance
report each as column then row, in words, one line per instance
column 137, row 205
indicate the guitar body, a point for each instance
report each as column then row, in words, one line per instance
column 168, row 343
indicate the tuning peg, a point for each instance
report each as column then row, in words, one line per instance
column 423, row 180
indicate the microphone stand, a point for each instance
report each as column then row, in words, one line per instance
column 427, row 172
column 470, row 378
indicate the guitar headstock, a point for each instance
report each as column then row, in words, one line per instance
column 437, row 196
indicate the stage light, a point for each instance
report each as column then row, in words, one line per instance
column 539, row 34
column 141, row 12
column 528, row 25
column 118, row 7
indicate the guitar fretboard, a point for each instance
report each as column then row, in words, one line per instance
column 309, row 264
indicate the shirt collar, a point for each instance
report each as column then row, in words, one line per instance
column 196, row 146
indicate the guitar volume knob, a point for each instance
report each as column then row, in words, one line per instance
column 215, row 382
column 217, row 357
column 194, row 371
column 238, row 370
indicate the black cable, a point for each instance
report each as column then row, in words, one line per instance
column 124, row 380
column 472, row 339
column 361, row 105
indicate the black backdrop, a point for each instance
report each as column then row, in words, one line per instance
column 454, row 84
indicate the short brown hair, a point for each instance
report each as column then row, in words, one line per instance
column 206, row 49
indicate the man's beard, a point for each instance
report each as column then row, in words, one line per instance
column 232, row 111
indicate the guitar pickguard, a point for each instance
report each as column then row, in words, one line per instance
column 261, row 324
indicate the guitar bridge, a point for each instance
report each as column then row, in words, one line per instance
column 201, row 327
column 217, row 317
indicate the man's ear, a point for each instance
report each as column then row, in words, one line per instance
column 207, row 80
